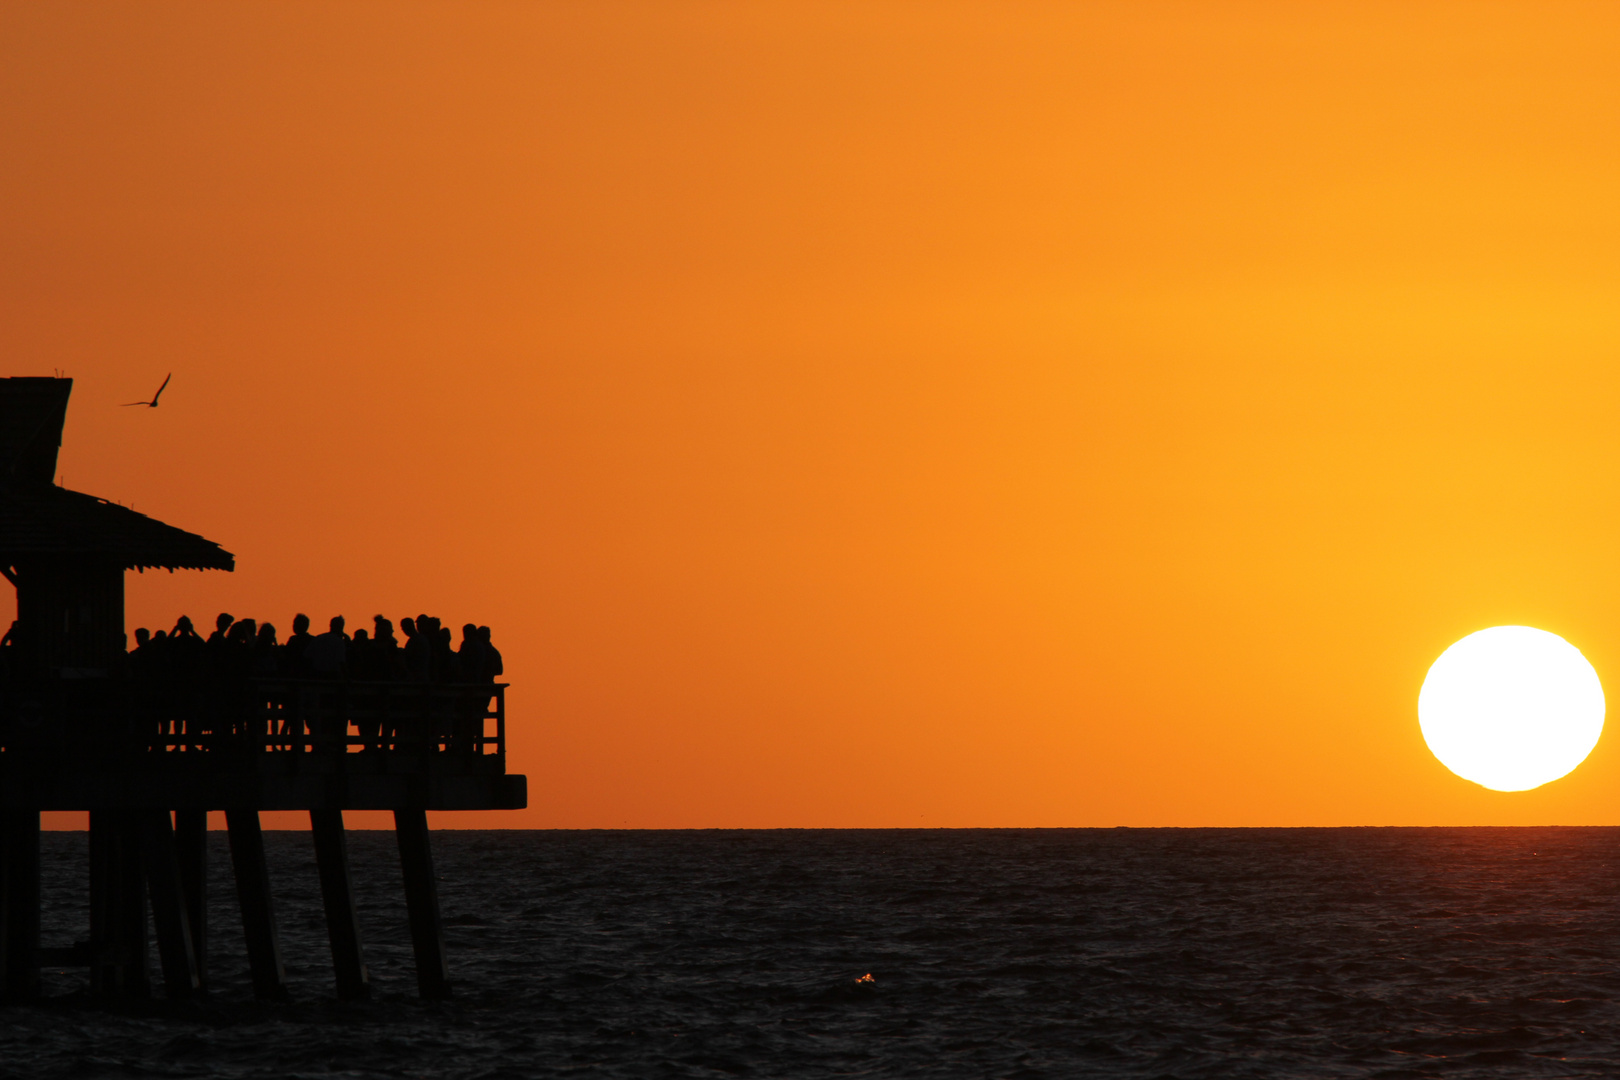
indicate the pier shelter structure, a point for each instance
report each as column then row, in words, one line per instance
column 149, row 758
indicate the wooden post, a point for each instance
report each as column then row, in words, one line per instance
column 103, row 976
column 117, row 908
column 337, row 892
column 5, row 912
column 169, row 916
column 258, row 913
column 422, row 903
column 19, row 854
column 191, row 845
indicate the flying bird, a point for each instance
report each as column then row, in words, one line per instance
column 153, row 403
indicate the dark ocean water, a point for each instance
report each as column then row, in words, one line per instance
column 1130, row 953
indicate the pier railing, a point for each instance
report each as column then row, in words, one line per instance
column 125, row 719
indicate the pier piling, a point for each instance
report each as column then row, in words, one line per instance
column 19, row 887
column 337, row 893
column 118, row 953
column 191, row 845
column 169, row 918
column 422, row 903
column 258, row 910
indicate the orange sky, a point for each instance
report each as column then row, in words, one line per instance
column 862, row 414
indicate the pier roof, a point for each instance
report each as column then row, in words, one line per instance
column 47, row 520
column 37, row 518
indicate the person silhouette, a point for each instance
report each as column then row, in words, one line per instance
column 222, row 625
column 446, row 667
column 362, row 655
column 328, row 653
column 327, row 657
column 231, row 663
column 493, row 668
column 264, row 651
column 187, row 667
column 417, row 660
column 293, row 661
column 390, row 658
column 186, row 648
column 239, row 640
column 363, row 668
column 470, row 653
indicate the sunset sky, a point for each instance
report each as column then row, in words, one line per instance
column 995, row 414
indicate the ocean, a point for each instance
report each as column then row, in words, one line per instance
column 994, row 953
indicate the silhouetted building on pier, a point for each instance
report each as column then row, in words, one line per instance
column 82, row 728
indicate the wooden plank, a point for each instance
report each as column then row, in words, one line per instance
column 191, row 846
column 162, row 865
column 422, row 903
column 258, row 910
column 337, row 893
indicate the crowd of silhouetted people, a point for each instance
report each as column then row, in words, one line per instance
column 243, row 687
column 247, row 648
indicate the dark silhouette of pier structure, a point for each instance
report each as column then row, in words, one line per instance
column 150, row 754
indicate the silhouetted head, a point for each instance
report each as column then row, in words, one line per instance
column 336, row 624
column 300, row 623
column 469, row 632
column 183, row 626
column 424, row 625
column 483, row 634
column 222, row 621
column 242, row 632
column 444, row 636
column 360, row 636
column 408, row 625
column 159, row 638
column 383, row 630
column 142, row 636
column 267, row 634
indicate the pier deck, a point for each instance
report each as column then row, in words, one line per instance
column 150, row 759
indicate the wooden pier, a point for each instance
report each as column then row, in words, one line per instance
column 148, row 758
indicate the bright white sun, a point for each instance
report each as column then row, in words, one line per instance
column 1511, row 708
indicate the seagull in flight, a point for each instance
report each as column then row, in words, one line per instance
column 153, row 403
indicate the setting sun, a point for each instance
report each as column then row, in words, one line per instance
column 1511, row 708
